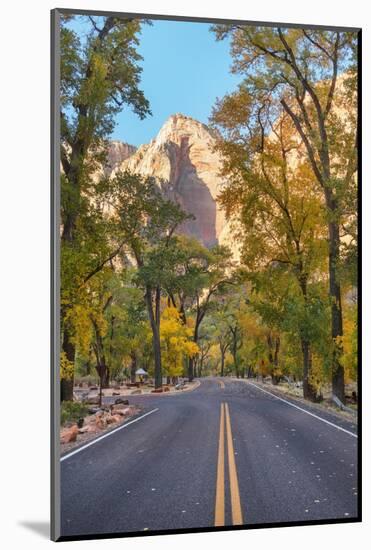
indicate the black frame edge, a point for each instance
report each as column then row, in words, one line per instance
column 55, row 275
column 359, row 274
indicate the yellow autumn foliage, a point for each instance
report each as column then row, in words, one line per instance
column 317, row 376
column 80, row 317
column 66, row 367
column 176, row 342
column 349, row 343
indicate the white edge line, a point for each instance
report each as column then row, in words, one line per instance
column 303, row 410
column 106, row 435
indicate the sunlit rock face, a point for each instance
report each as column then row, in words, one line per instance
column 117, row 152
column 182, row 157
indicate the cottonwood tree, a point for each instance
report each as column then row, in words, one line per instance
column 220, row 333
column 100, row 74
column 281, row 214
column 146, row 222
column 199, row 276
column 311, row 74
column 205, row 343
column 254, row 344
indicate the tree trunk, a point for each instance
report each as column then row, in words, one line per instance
column 157, row 357
column 222, row 364
column 309, row 391
column 234, row 353
column 69, row 349
column 66, row 390
column 154, row 319
column 101, row 370
column 276, row 378
column 102, row 376
column 190, row 369
column 103, row 373
column 273, row 361
column 67, row 238
column 336, row 310
column 102, row 367
column 106, row 376
column 191, row 360
column 234, row 348
column 133, row 366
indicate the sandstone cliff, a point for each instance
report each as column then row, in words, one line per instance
column 116, row 154
column 182, row 156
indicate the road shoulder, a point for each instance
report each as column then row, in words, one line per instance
column 341, row 418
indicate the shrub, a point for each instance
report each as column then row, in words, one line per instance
column 71, row 411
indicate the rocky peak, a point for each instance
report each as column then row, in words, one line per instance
column 179, row 126
column 182, row 155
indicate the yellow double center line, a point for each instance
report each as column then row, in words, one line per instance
column 225, row 420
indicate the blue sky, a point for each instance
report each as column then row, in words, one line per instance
column 184, row 71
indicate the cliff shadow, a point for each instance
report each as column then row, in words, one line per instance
column 193, row 195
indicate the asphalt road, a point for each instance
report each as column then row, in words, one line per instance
column 226, row 453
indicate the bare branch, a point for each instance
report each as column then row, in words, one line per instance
column 305, row 139
column 316, row 44
column 101, row 265
column 94, row 24
column 331, row 92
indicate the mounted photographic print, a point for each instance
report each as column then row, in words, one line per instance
column 205, row 310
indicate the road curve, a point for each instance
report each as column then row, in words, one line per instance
column 226, row 453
